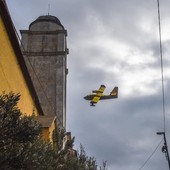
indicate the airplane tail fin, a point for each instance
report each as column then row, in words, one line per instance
column 114, row 92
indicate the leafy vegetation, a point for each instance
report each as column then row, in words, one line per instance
column 22, row 148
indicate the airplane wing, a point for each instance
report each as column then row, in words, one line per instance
column 98, row 95
column 101, row 89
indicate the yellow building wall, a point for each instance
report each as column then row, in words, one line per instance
column 51, row 129
column 47, row 132
column 11, row 77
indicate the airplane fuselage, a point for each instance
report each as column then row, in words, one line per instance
column 91, row 96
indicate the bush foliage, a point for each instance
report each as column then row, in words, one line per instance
column 21, row 146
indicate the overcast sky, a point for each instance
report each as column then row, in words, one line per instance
column 115, row 43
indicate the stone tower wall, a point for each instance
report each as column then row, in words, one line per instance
column 45, row 52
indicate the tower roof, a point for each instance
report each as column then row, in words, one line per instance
column 47, row 18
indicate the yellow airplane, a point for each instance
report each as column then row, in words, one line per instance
column 98, row 95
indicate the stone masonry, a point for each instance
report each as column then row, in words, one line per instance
column 45, row 52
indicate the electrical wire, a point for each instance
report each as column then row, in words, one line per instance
column 162, row 81
column 151, row 155
column 163, row 90
column 162, row 71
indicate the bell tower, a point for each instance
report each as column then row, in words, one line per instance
column 45, row 52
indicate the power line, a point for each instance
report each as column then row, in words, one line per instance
column 165, row 147
column 162, row 71
column 151, row 155
column 162, row 81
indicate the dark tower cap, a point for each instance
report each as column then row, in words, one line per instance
column 47, row 18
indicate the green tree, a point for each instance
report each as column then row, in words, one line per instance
column 69, row 159
column 21, row 146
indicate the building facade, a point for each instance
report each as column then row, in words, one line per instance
column 45, row 52
column 15, row 77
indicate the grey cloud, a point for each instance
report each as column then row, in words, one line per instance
column 121, row 131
